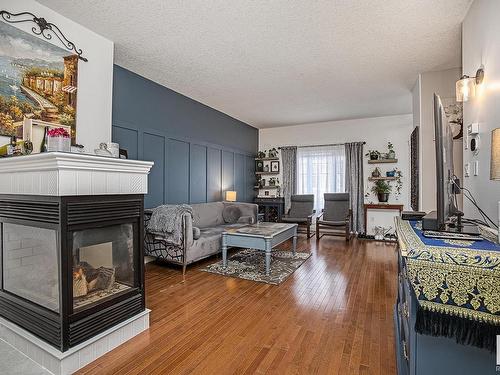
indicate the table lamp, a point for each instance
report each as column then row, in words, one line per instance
column 230, row 196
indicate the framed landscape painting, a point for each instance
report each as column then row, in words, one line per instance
column 38, row 81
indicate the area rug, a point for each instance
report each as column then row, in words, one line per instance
column 250, row 264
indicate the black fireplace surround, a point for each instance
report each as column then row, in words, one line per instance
column 71, row 267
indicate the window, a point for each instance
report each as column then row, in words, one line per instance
column 320, row 170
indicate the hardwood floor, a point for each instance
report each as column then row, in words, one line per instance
column 332, row 316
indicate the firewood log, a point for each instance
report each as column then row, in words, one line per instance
column 101, row 278
column 80, row 286
column 104, row 278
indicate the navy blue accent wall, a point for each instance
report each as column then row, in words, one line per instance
column 198, row 151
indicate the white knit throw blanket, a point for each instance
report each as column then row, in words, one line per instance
column 167, row 221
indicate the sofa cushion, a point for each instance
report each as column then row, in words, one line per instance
column 231, row 214
column 208, row 214
column 209, row 243
column 196, row 233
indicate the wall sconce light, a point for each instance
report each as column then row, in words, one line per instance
column 230, row 196
column 466, row 86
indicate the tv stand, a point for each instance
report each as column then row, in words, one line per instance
column 429, row 223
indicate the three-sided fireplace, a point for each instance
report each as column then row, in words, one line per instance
column 71, row 266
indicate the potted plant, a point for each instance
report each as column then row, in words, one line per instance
column 376, row 172
column 382, row 189
column 273, row 181
column 273, row 153
column 261, row 154
column 391, row 154
column 373, row 154
column 399, row 183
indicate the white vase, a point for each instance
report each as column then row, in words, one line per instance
column 59, row 144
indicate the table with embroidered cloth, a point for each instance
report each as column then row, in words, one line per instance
column 456, row 284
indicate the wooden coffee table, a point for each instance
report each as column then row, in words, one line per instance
column 260, row 236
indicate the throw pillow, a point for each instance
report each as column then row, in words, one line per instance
column 231, row 214
column 196, row 233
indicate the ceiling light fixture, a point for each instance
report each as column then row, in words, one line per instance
column 466, row 86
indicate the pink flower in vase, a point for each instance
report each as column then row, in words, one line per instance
column 58, row 132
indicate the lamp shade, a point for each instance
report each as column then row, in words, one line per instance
column 230, row 196
column 495, row 155
column 465, row 88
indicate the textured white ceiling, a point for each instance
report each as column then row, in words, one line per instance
column 281, row 62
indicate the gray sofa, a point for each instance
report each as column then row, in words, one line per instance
column 202, row 233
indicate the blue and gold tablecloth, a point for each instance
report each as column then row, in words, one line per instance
column 456, row 283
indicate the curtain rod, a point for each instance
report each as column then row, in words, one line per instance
column 329, row 144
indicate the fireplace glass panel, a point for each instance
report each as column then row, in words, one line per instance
column 30, row 264
column 103, row 264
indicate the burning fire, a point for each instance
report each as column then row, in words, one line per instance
column 78, row 274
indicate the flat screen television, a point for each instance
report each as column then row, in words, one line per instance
column 444, row 166
column 447, row 217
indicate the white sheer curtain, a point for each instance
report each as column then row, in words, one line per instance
column 320, row 170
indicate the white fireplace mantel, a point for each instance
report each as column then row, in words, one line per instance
column 63, row 174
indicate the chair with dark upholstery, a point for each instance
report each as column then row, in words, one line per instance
column 336, row 218
column 301, row 212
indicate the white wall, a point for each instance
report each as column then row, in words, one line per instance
column 95, row 77
column 481, row 45
column 376, row 132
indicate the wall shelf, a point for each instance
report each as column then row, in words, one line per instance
column 267, row 187
column 266, row 159
column 267, row 173
column 381, row 178
column 382, row 161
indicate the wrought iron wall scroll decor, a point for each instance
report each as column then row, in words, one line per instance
column 43, row 28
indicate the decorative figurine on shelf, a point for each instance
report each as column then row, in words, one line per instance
column 27, row 147
column 266, row 168
column 376, row 172
column 43, row 145
column 390, row 173
column 11, row 147
column 273, row 153
column 261, row 154
column 391, row 154
column 102, row 150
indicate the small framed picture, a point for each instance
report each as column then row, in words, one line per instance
column 259, row 166
column 275, row 166
column 266, row 193
column 123, row 153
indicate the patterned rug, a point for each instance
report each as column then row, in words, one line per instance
column 250, row 264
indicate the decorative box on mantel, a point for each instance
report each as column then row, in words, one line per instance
column 71, row 256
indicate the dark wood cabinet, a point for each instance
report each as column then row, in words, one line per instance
column 272, row 208
column 422, row 354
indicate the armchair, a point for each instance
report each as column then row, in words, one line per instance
column 301, row 212
column 336, row 218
